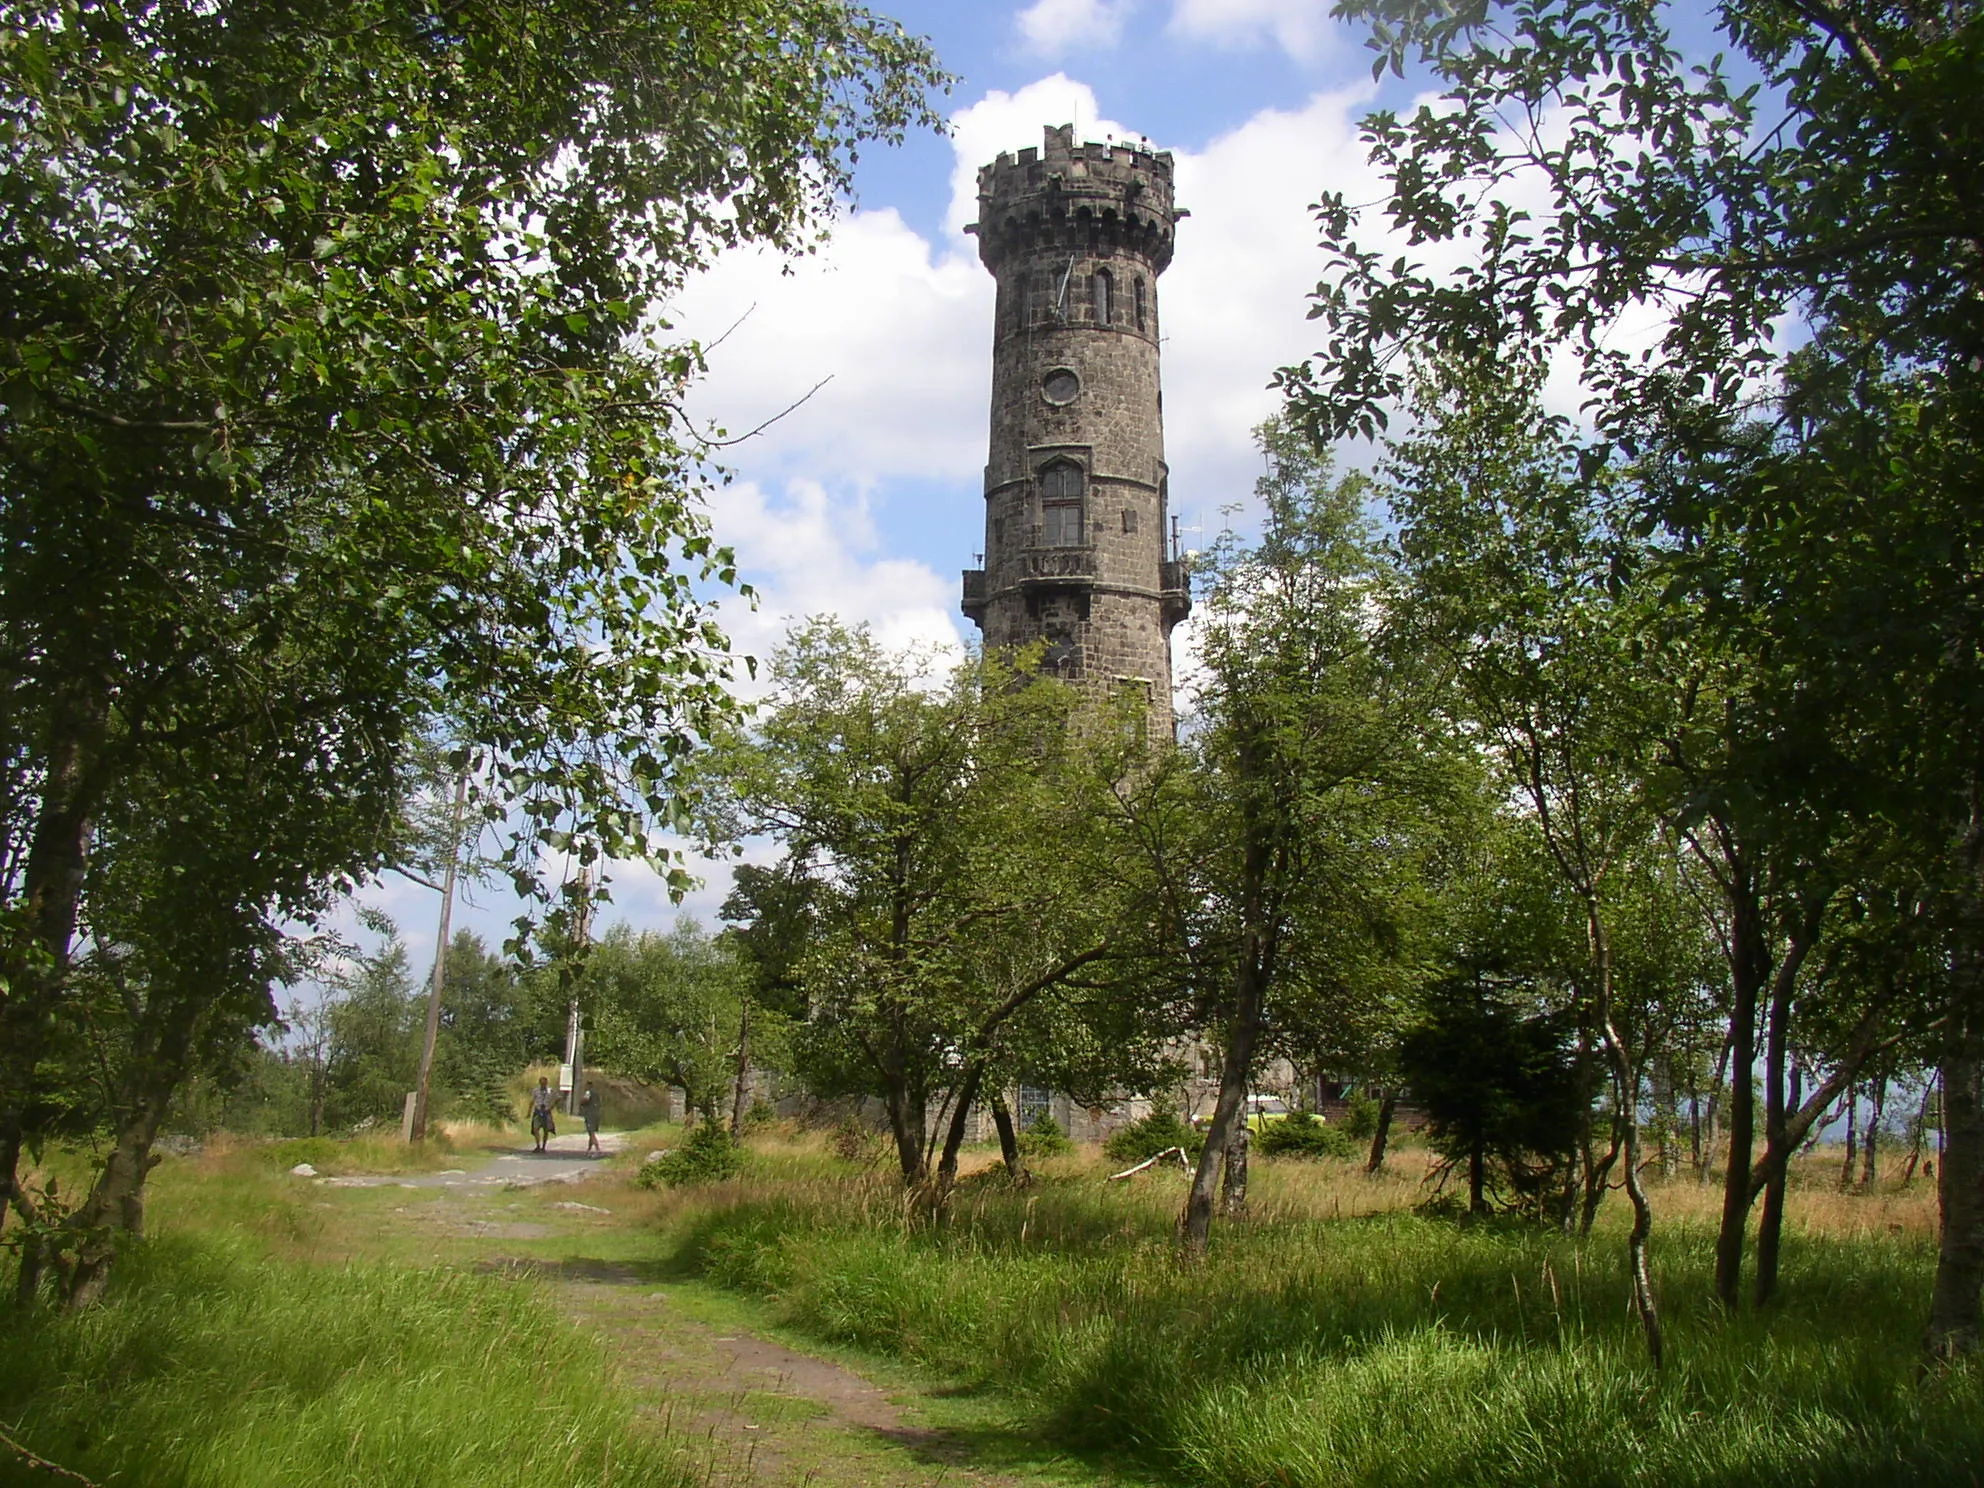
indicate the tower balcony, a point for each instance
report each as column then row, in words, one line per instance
column 1053, row 566
column 1174, row 582
column 976, row 593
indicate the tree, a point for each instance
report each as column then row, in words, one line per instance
column 1523, row 578
column 1285, row 839
column 332, row 422
column 1838, row 193
column 945, row 821
column 1498, row 1086
column 667, row 1009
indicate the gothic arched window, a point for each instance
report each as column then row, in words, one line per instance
column 1104, row 285
column 1140, row 304
column 1061, row 505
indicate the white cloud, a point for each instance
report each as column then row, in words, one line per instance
column 1234, row 301
column 809, row 552
column 1009, row 122
column 895, row 329
column 1302, row 28
column 1052, row 27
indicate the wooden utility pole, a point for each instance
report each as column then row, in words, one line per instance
column 417, row 1126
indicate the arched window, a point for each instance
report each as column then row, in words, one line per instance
column 1140, row 304
column 1061, row 505
column 1104, row 284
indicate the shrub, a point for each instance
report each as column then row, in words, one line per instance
column 1360, row 1119
column 1301, row 1135
column 709, row 1154
column 1043, row 1137
column 1146, row 1138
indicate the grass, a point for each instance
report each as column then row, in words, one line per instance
column 448, row 1145
column 1339, row 1339
column 211, row 1364
column 242, row 1346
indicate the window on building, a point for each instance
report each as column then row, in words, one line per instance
column 1140, row 304
column 1105, row 284
column 1061, row 505
column 1129, row 519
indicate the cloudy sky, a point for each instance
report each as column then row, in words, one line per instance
column 866, row 500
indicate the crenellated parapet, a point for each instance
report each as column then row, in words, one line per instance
column 1095, row 199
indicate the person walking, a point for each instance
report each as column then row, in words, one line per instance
column 542, row 1100
column 589, row 1109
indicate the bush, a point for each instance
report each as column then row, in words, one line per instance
column 1043, row 1137
column 1360, row 1119
column 709, row 1154
column 1301, row 1135
column 1146, row 1138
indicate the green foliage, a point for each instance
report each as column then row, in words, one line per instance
column 1043, row 1137
column 668, row 1009
column 709, row 1154
column 952, row 904
column 1153, row 1134
column 1498, row 1087
column 332, row 435
column 1301, row 1134
column 1360, row 1119
column 195, row 1371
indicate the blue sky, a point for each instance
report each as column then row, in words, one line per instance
column 865, row 501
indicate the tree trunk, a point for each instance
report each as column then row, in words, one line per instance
column 1916, row 1130
column 1598, row 1177
column 1705, row 1147
column 1477, row 1178
column 743, row 1075
column 967, row 1096
column 423, row 1083
column 1386, row 1108
column 1954, row 1302
column 1009, row 1138
column 907, row 1116
column 34, row 956
column 1869, row 1162
column 1233, row 1186
column 1195, row 1222
column 1852, row 1140
column 1747, row 958
column 1770, row 1224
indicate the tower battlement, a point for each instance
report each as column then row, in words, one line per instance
column 1113, row 198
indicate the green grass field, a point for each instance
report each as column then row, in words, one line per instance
column 278, row 1332
column 1318, row 1345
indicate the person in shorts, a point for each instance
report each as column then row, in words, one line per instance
column 542, row 1100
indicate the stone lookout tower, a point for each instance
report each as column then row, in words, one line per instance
column 1077, row 511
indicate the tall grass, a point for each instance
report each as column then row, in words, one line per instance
column 211, row 1365
column 1381, row 1349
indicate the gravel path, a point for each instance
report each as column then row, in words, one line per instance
column 565, row 1160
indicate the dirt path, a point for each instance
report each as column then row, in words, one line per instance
column 753, row 1410
column 762, row 1413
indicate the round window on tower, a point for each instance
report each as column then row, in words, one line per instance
column 1061, row 385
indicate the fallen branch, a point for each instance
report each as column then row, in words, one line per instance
column 1183, row 1164
column 42, row 1464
